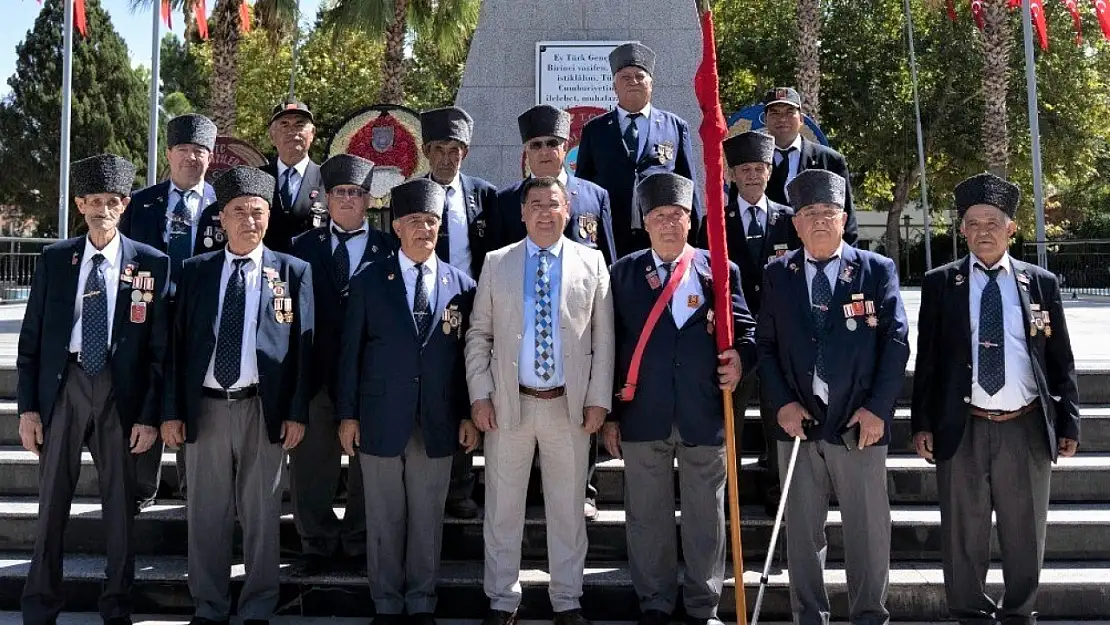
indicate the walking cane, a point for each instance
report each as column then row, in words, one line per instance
column 775, row 531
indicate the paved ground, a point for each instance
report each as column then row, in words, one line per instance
column 1088, row 322
column 12, row 618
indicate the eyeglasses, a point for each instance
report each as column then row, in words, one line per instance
column 348, row 193
column 551, row 144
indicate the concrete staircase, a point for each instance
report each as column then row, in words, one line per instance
column 1075, row 584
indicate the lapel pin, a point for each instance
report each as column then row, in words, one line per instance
column 959, row 280
column 444, row 280
column 389, row 277
column 73, row 261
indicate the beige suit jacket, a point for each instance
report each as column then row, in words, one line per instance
column 586, row 331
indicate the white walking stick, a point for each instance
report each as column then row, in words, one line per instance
column 775, row 531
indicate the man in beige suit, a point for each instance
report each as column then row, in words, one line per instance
column 539, row 366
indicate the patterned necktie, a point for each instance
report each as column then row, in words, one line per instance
column 180, row 247
column 779, row 174
column 992, row 350
column 544, row 365
column 443, row 243
column 229, row 343
column 342, row 256
column 421, row 310
column 755, row 235
column 287, row 188
column 94, row 319
column 821, row 297
column 632, row 136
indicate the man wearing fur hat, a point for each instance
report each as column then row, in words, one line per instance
column 995, row 403
column 91, row 364
column 832, row 342
column 634, row 140
column 238, row 397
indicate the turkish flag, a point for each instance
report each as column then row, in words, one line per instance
column 950, row 8
column 1073, row 8
column 167, row 14
column 977, row 13
column 244, row 17
column 79, row 17
column 1039, row 25
column 201, row 11
column 1102, row 10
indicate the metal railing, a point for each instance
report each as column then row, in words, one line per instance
column 19, row 257
column 1082, row 266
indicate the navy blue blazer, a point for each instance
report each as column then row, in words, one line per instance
column 480, row 198
column 390, row 380
column 284, row 350
column 678, row 381
column 942, row 375
column 590, row 221
column 309, row 209
column 779, row 237
column 603, row 160
column 817, row 156
column 866, row 366
column 145, row 221
column 329, row 300
column 210, row 232
column 137, row 356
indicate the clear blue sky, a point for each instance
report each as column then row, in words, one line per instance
column 19, row 19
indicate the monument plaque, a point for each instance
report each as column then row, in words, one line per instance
column 575, row 73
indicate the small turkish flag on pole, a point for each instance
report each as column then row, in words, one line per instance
column 201, row 11
column 1037, row 9
column 79, row 17
column 1102, row 10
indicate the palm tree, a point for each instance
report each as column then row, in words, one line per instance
column 997, row 43
column 448, row 23
column 807, row 52
column 276, row 17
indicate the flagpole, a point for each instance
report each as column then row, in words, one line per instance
column 920, row 145
column 152, row 131
column 296, row 34
column 1034, row 129
column 67, row 108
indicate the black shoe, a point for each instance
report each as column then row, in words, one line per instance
column 500, row 617
column 118, row 620
column 310, row 565
column 655, row 617
column 422, row 618
column 462, row 508
column 200, row 620
column 570, row 617
column 140, row 505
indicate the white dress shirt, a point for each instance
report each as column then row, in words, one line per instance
column 1021, row 386
column 248, row 363
column 408, row 272
column 356, row 245
column 642, row 126
column 295, row 180
column 821, row 387
column 689, row 290
column 458, row 227
column 760, row 212
column 795, row 162
column 193, row 198
column 113, row 257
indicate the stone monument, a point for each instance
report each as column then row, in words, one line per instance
column 528, row 52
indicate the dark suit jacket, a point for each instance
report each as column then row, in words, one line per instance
column 480, row 198
column 590, row 221
column 137, row 355
column 678, row 381
column 865, row 366
column 284, row 350
column 942, row 374
column 329, row 301
column 603, row 160
column 309, row 210
column 390, row 380
column 144, row 220
column 779, row 237
column 817, row 156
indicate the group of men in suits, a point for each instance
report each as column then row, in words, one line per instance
column 269, row 320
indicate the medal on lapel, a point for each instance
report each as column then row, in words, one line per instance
column 709, row 316
column 653, row 278
column 846, row 273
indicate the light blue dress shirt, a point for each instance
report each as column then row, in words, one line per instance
column 527, row 360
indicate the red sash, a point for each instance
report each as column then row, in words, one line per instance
column 629, row 390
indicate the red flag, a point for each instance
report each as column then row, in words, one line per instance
column 167, row 14
column 244, row 17
column 201, row 12
column 713, row 131
column 79, row 17
column 1014, row 4
column 977, row 13
column 1102, row 10
column 950, row 8
column 1039, row 25
column 1073, row 8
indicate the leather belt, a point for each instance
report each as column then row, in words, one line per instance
column 547, row 393
column 234, row 394
column 999, row 416
column 75, row 357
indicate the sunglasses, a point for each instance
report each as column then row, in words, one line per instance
column 351, row 193
column 547, row 143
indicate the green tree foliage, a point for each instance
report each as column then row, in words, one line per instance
column 184, row 70
column 109, row 110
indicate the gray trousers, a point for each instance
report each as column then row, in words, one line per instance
column 859, row 480
column 405, row 498
column 234, row 468
column 649, row 502
column 84, row 414
column 315, row 467
column 563, row 453
column 1005, row 468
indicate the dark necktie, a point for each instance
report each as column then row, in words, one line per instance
column 668, row 269
column 229, row 343
column 632, row 136
column 821, row 297
column 287, row 188
column 342, row 256
column 180, row 247
column 421, row 310
column 443, row 243
column 755, row 235
column 992, row 351
column 779, row 174
column 94, row 319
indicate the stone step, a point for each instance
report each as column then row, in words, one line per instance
column 1068, row 590
column 910, row 480
column 1075, row 532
